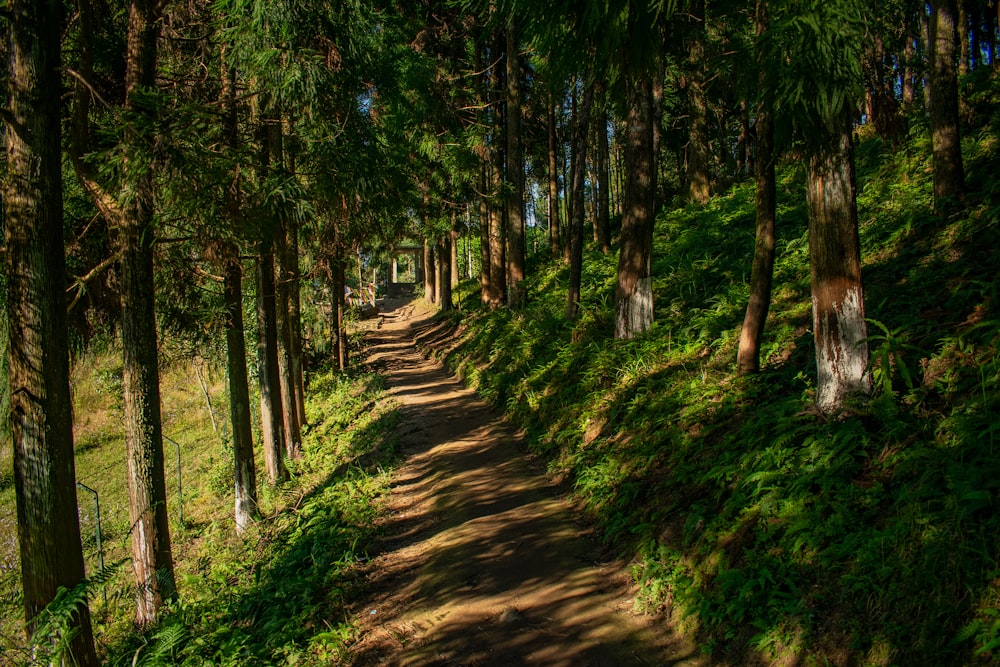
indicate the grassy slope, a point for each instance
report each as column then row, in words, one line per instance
column 272, row 598
column 869, row 539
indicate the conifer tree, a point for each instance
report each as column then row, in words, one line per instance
column 34, row 266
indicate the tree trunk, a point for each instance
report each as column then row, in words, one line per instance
column 554, row 240
column 282, row 307
column 272, row 422
column 295, row 320
column 444, row 273
column 337, row 312
column 430, row 273
column 151, row 554
column 762, row 273
column 485, row 283
column 603, row 216
column 839, row 327
column 239, row 399
column 699, row 178
column 455, row 237
column 634, row 289
column 244, row 468
column 40, row 404
column 581, row 130
column 949, row 175
column 964, row 51
column 515, row 176
column 498, row 269
column 908, row 75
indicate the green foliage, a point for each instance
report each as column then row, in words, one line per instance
column 276, row 596
column 870, row 538
column 812, row 54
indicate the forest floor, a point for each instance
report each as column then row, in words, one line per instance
column 483, row 560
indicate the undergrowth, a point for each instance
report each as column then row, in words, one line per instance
column 870, row 538
column 276, row 595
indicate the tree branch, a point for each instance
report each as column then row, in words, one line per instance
column 105, row 203
column 80, row 282
column 79, row 77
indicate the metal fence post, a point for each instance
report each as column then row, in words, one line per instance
column 180, row 490
column 97, row 533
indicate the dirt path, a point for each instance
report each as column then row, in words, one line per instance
column 482, row 562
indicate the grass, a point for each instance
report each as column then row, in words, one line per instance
column 274, row 597
column 869, row 539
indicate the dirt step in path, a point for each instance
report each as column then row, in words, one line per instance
column 483, row 563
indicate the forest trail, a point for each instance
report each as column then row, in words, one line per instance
column 482, row 562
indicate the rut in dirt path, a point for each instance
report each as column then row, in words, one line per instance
column 482, row 563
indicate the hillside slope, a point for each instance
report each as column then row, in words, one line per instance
column 774, row 534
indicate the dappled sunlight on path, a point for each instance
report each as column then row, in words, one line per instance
column 482, row 562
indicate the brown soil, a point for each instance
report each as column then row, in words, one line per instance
column 483, row 561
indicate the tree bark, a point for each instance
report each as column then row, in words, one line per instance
column 40, row 403
column 444, row 249
column 699, row 178
column 603, row 177
column 337, row 312
column 839, row 327
column 282, row 308
column 554, row 236
column 430, row 272
column 272, row 423
column 455, row 237
column 909, row 54
column 485, row 283
column 762, row 273
column 295, row 320
column 244, row 468
column 949, row 175
column 634, row 289
column 498, row 269
column 581, row 130
column 245, row 473
column 151, row 553
column 515, row 176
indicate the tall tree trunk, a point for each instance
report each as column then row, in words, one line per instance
column 908, row 75
column 762, row 273
column 151, row 554
column 515, row 176
column 699, row 178
column 35, row 266
column 569, row 152
column 337, row 312
column 554, row 240
column 603, row 216
column 962, row 24
column 485, row 283
column 839, row 327
column 498, row 269
column 289, row 410
column 634, row 289
column 430, row 273
column 282, row 304
column 272, row 423
column 245, row 473
column 455, row 237
column 444, row 273
column 295, row 320
column 581, row 130
column 949, row 175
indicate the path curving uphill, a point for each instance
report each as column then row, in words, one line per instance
column 482, row 562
